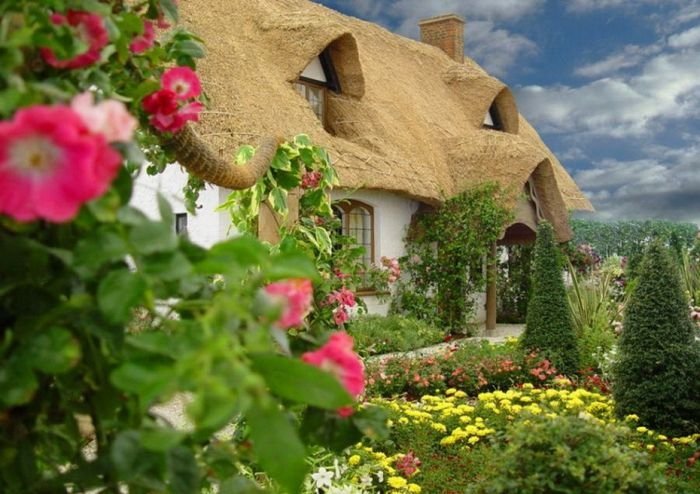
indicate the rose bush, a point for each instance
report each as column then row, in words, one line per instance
column 80, row 381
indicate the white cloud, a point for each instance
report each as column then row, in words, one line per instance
column 630, row 56
column 496, row 48
column 686, row 39
column 665, row 88
column 664, row 186
column 589, row 5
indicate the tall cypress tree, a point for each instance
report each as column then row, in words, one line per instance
column 548, row 325
column 657, row 376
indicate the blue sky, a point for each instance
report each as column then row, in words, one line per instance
column 613, row 87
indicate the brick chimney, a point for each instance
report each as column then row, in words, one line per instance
column 446, row 32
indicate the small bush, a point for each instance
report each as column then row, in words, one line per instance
column 548, row 328
column 657, row 376
column 378, row 334
column 570, row 455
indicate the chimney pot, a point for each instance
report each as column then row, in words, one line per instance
column 445, row 32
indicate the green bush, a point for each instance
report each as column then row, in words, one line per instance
column 657, row 376
column 548, row 327
column 570, row 455
column 375, row 334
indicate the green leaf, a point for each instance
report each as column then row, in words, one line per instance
column 161, row 439
column 100, row 247
column 302, row 140
column 300, row 382
column 371, row 421
column 152, row 236
column 240, row 252
column 281, row 161
column 189, row 48
column 278, row 200
column 326, row 429
column 277, row 446
column 291, row 265
column 183, row 473
column 244, row 154
column 170, row 9
column 53, row 351
column 287, row 180
column 118, row 293
column 239, row 485
column 144, row 378
column 17, row 383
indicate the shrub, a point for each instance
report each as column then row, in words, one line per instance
column 548, row 328
column 375, row 334
column 570, row 455
column 658, row 372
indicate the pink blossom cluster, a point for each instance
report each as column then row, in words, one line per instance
column 55, row 158
column 145, row 40
column 172, row 106
column 408, row 464
column 392, row 265
column 89, row 28
column 296, row 296
column 310, row 180
column 338, row 358
column 345, row 300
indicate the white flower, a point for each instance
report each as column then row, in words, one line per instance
column 323, row 478
column 380, row 475
column 366, row 480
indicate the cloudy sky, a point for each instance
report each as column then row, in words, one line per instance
column 613, row 86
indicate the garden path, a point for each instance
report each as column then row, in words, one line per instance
column 497, row 335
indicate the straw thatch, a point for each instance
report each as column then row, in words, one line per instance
column 408, row 119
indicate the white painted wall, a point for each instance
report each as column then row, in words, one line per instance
column 392, row 215
column 206, row 227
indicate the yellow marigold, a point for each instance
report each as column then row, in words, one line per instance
column 450, row 391
column 528, row 386
column 354, row 460
column 448, row 440
column 473, row 440
column 438, row 427
column 458, row 394
column 465, row 419
column 414, row 488
column 403, row 421
column 632, row 418
column 397, row 482
column 642, row 429
column 661, row 437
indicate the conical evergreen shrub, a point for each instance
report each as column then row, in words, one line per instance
column 657, row 376
column 548, row 325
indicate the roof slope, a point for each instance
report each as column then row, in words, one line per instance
column 409, row 118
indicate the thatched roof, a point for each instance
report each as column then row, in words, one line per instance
column 409, row 119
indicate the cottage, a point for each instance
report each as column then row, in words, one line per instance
column 407, row 123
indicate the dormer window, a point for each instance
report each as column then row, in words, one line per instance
column 314, row 82
column 492, row 120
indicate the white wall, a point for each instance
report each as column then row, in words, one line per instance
column 392, row 215
column 206, row 227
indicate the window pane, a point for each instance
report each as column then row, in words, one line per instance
column 360, row 228
column 314, row 95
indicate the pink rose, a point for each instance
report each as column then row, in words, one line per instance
column 50, row 164
column 346, row 297
column 145, row 41
column 183, row 82
column 90, row 29
column 338, row 358
column 296, row 295
column 340, row 316
column 109, row 118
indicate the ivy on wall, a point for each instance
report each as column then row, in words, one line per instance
column 446, row 249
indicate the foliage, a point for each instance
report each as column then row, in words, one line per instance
column 374, row 334
column 444, row 257
column 690, row 275
column 460, row 440
column 514, row 283
column 549, row 329
column 626, row 238
column 657, row 374
column 472, row 367
column 79, row 379
column 317, row 231
column 570, row 455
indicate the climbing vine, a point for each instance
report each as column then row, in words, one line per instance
column 446, row 249
column 303, row 172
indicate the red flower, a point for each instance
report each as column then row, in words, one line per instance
column 408, row 464
column 340, row 316
column 50, row 164
column 90, row 29
column 183, row 82
column 296, row 295
column 145, row 41
column 310, row 180
column 338, row 358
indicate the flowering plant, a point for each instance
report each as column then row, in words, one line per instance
column 107, row 315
